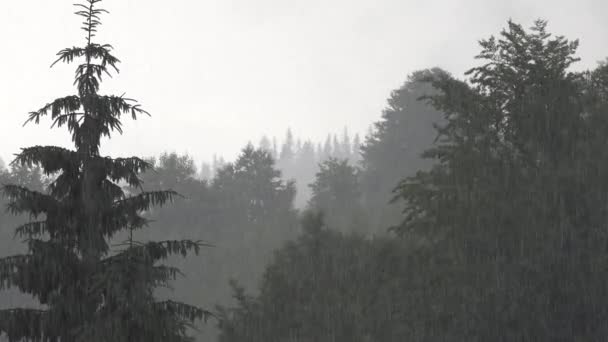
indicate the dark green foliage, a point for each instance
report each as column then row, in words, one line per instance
column 88, row 290
column 512, row 216
column 336, row 192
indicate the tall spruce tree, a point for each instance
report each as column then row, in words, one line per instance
column 87, row 288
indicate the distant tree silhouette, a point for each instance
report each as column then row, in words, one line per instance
column 327, row 148
column 324, row 286
column 336, row 192
column 346, row 145
column 287, row 149
column 392, row 150
column 206, row 173
column 356, row 150
column 265, row 144
column 171, row 171
column 255, row 191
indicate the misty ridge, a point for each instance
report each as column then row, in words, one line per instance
column 474, row 209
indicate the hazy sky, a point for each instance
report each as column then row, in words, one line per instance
column 217, row 73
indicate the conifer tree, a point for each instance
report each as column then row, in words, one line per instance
column 265, row 144
column 287, row 150
column 206, row 173
column 512, row 213
column 392, row 149
column 356, row 149
column 346, row 145
column 319, row 152
column 337, row 152
column 89, row 289
column 327, row 148
column 336, row 192
column 275, row 149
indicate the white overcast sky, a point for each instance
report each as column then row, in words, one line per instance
column 217, row 73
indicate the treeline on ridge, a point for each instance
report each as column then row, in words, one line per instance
column 475, row 210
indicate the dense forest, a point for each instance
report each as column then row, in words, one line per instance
column 475, row 209
column 297, row 159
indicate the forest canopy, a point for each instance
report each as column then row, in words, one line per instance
column 475, row 209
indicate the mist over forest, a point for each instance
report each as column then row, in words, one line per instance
column 475, row 208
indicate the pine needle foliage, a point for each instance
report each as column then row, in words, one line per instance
column 89, row 290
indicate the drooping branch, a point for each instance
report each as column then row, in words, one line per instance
column 115, row 270
column 31, row 229
column 44, row 267
column 65, row 105
column 183, row 311
column 26, row 325
column 9, row 267
column 116, row 106
column 96, row 51
column 115, row 221
column 126, row 169
column 22, row 200
column 159, row 250
column 145, row 200
column 50, row 158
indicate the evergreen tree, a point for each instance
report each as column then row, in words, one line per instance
column 319, row 154
column 346, row 145
column 206, row 171
column 307, row 155
column 337, row 148
column 171, row 171
column 254, row 208
column 287, row 150
column 217, row 164
column 303, row 172
column 176, row 172
column 393, row 148
column 275, row 149
column 325, row 286
column 356, row 149
column 27, row 176
column 336, row 193
column 255, row 189
column 327, row 149
column 265, row 144
column 511, row 217
column 298, row 148
column 86, row 289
